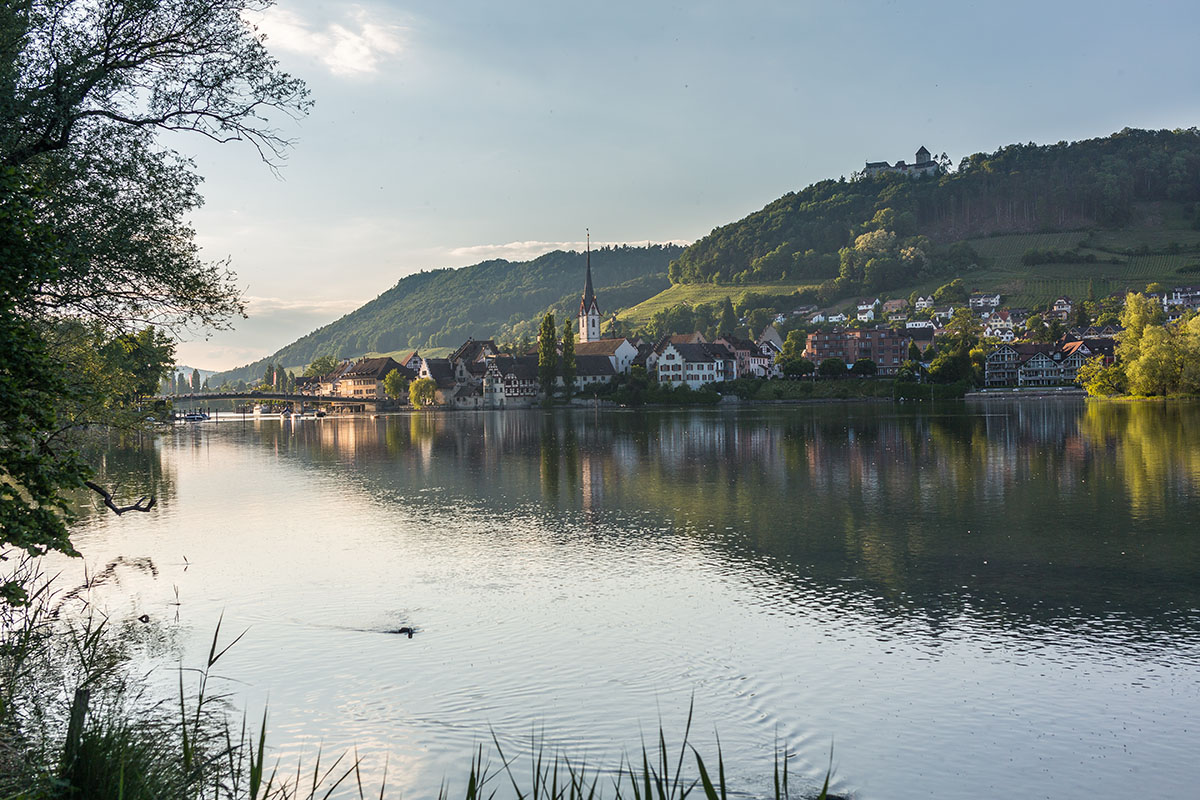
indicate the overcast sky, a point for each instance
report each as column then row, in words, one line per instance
column 445, row 133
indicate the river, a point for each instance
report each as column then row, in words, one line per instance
column 997, row 600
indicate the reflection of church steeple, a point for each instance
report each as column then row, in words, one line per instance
column 589, row 309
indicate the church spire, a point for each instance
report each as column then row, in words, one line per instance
column 589, row 309
column 589, row 296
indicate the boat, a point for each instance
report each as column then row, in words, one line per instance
column 195, row 416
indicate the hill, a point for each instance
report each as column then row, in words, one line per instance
column 1030, row 221
column 802, row 236
column 441, row 308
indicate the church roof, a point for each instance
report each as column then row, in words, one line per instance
column 588, row 302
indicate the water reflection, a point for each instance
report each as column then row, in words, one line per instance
column 1055, row 514
column 978, row 574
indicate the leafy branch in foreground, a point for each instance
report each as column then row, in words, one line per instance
column 97, row 257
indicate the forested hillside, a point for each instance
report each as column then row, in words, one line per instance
column 443, row 307
column 815, row 234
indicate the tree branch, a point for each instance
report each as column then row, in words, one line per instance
column 143, row 503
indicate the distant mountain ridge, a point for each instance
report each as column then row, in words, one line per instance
column 443, row 307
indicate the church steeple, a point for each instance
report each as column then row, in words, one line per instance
column 589, row 309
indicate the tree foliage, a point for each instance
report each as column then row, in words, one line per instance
column 547, row 355
column 567, row 365
column 395, row 384
column 421, row 392
column 1018, row 188
column 95, row 247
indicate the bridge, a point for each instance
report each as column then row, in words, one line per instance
column 332, row 402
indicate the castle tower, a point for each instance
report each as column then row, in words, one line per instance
column 589, row 310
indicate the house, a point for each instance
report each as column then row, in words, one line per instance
column 886, row 347
column 999, row 325
column 979, row 301
column 923, row 165
column 1040, row 364
column 817, row 319
column 838, row 317
column 1060, row 310
column 441, row 372
column 943, row 313
column 619, row 352
column 469, row 361
column 511, row 381
column 329, row 382
column 412, row 361
column 893, row 307
column 593, row 369
column 364, row 378
column 696, row 364
column 1186, row 297
column 753, row 360
column 924, row 303
column 866, row 310
column 914, row 324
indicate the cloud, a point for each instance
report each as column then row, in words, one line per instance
column 354, row 47
column 523, row 251
column 262, row 306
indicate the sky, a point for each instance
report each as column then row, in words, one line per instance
column 446, row 133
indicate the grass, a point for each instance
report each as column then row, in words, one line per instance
column 75, row 725
column 1021, row 285
column 696, row 293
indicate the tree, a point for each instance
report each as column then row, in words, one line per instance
column 954, row 291
column 321, row 365
column 567, row 361
column 547, row 355
column 1099, row 380
column 195, row 380
column 832, row 368
column 93, row 217
column 793, row 347
column 1035, row 328
column 395, row 384
column 729, row 320
column 798, row 368
column 864, row 368
column 421, row 392
column 914, row 352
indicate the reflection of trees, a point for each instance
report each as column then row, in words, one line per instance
column 1153, row 450
column 130, row 463
column 1053, row 513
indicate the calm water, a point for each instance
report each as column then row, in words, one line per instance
column 998, row 601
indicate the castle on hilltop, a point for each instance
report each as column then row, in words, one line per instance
column 924, row 165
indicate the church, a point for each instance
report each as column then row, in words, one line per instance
column 589, row 309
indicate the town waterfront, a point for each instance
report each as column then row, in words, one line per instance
column 964, row 600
